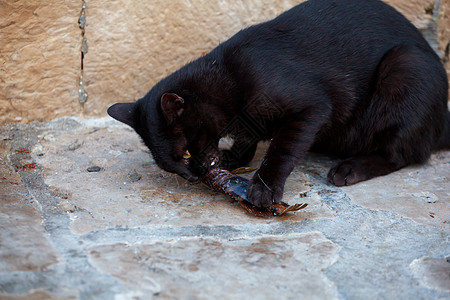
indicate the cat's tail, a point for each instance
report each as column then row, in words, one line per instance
column 444, row 141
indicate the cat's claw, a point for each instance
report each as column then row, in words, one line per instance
column 261, row 195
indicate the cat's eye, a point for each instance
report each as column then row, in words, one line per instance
column 187, row 155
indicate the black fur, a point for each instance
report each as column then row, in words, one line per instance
column 348, row 78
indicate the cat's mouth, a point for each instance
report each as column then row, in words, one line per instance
column 200, row 165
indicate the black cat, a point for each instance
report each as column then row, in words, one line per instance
column 348, row 78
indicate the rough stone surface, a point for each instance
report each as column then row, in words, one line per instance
column 444, row 34
column 157, row 199
column 433, row 273
column 24, row 243
column 131, row 45
column 192, row 267
column 419, row 12
column 427, row 187
column 39, row 59
column 35, row 295
column 185, row 29
column 70, row 234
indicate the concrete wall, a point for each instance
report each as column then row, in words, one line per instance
column 131, row 44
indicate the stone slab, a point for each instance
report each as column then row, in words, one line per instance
column 432, row 272
column 110, row 198
column 24, row 243
column 422, row 194
column 35, row 295
column 263, row 268
column 102, row 245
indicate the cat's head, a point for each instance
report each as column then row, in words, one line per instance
column 170, row 125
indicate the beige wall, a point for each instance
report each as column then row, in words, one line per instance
column 39, row 59
column 444, row 34
column 131, row 45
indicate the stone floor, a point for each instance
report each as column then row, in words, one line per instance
column 132, row 231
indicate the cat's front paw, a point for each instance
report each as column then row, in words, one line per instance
column 263, row 195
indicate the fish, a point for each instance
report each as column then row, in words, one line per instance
column 236, row 186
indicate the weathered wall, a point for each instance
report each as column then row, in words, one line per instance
column 132, row 45
column 444, row 34
column 39, row 59
column 420, row 12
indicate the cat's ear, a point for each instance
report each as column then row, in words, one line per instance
column 172, row 106
column 123, row 112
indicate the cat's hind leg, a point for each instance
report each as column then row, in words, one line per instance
column 404, row 119
column 360, row 168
